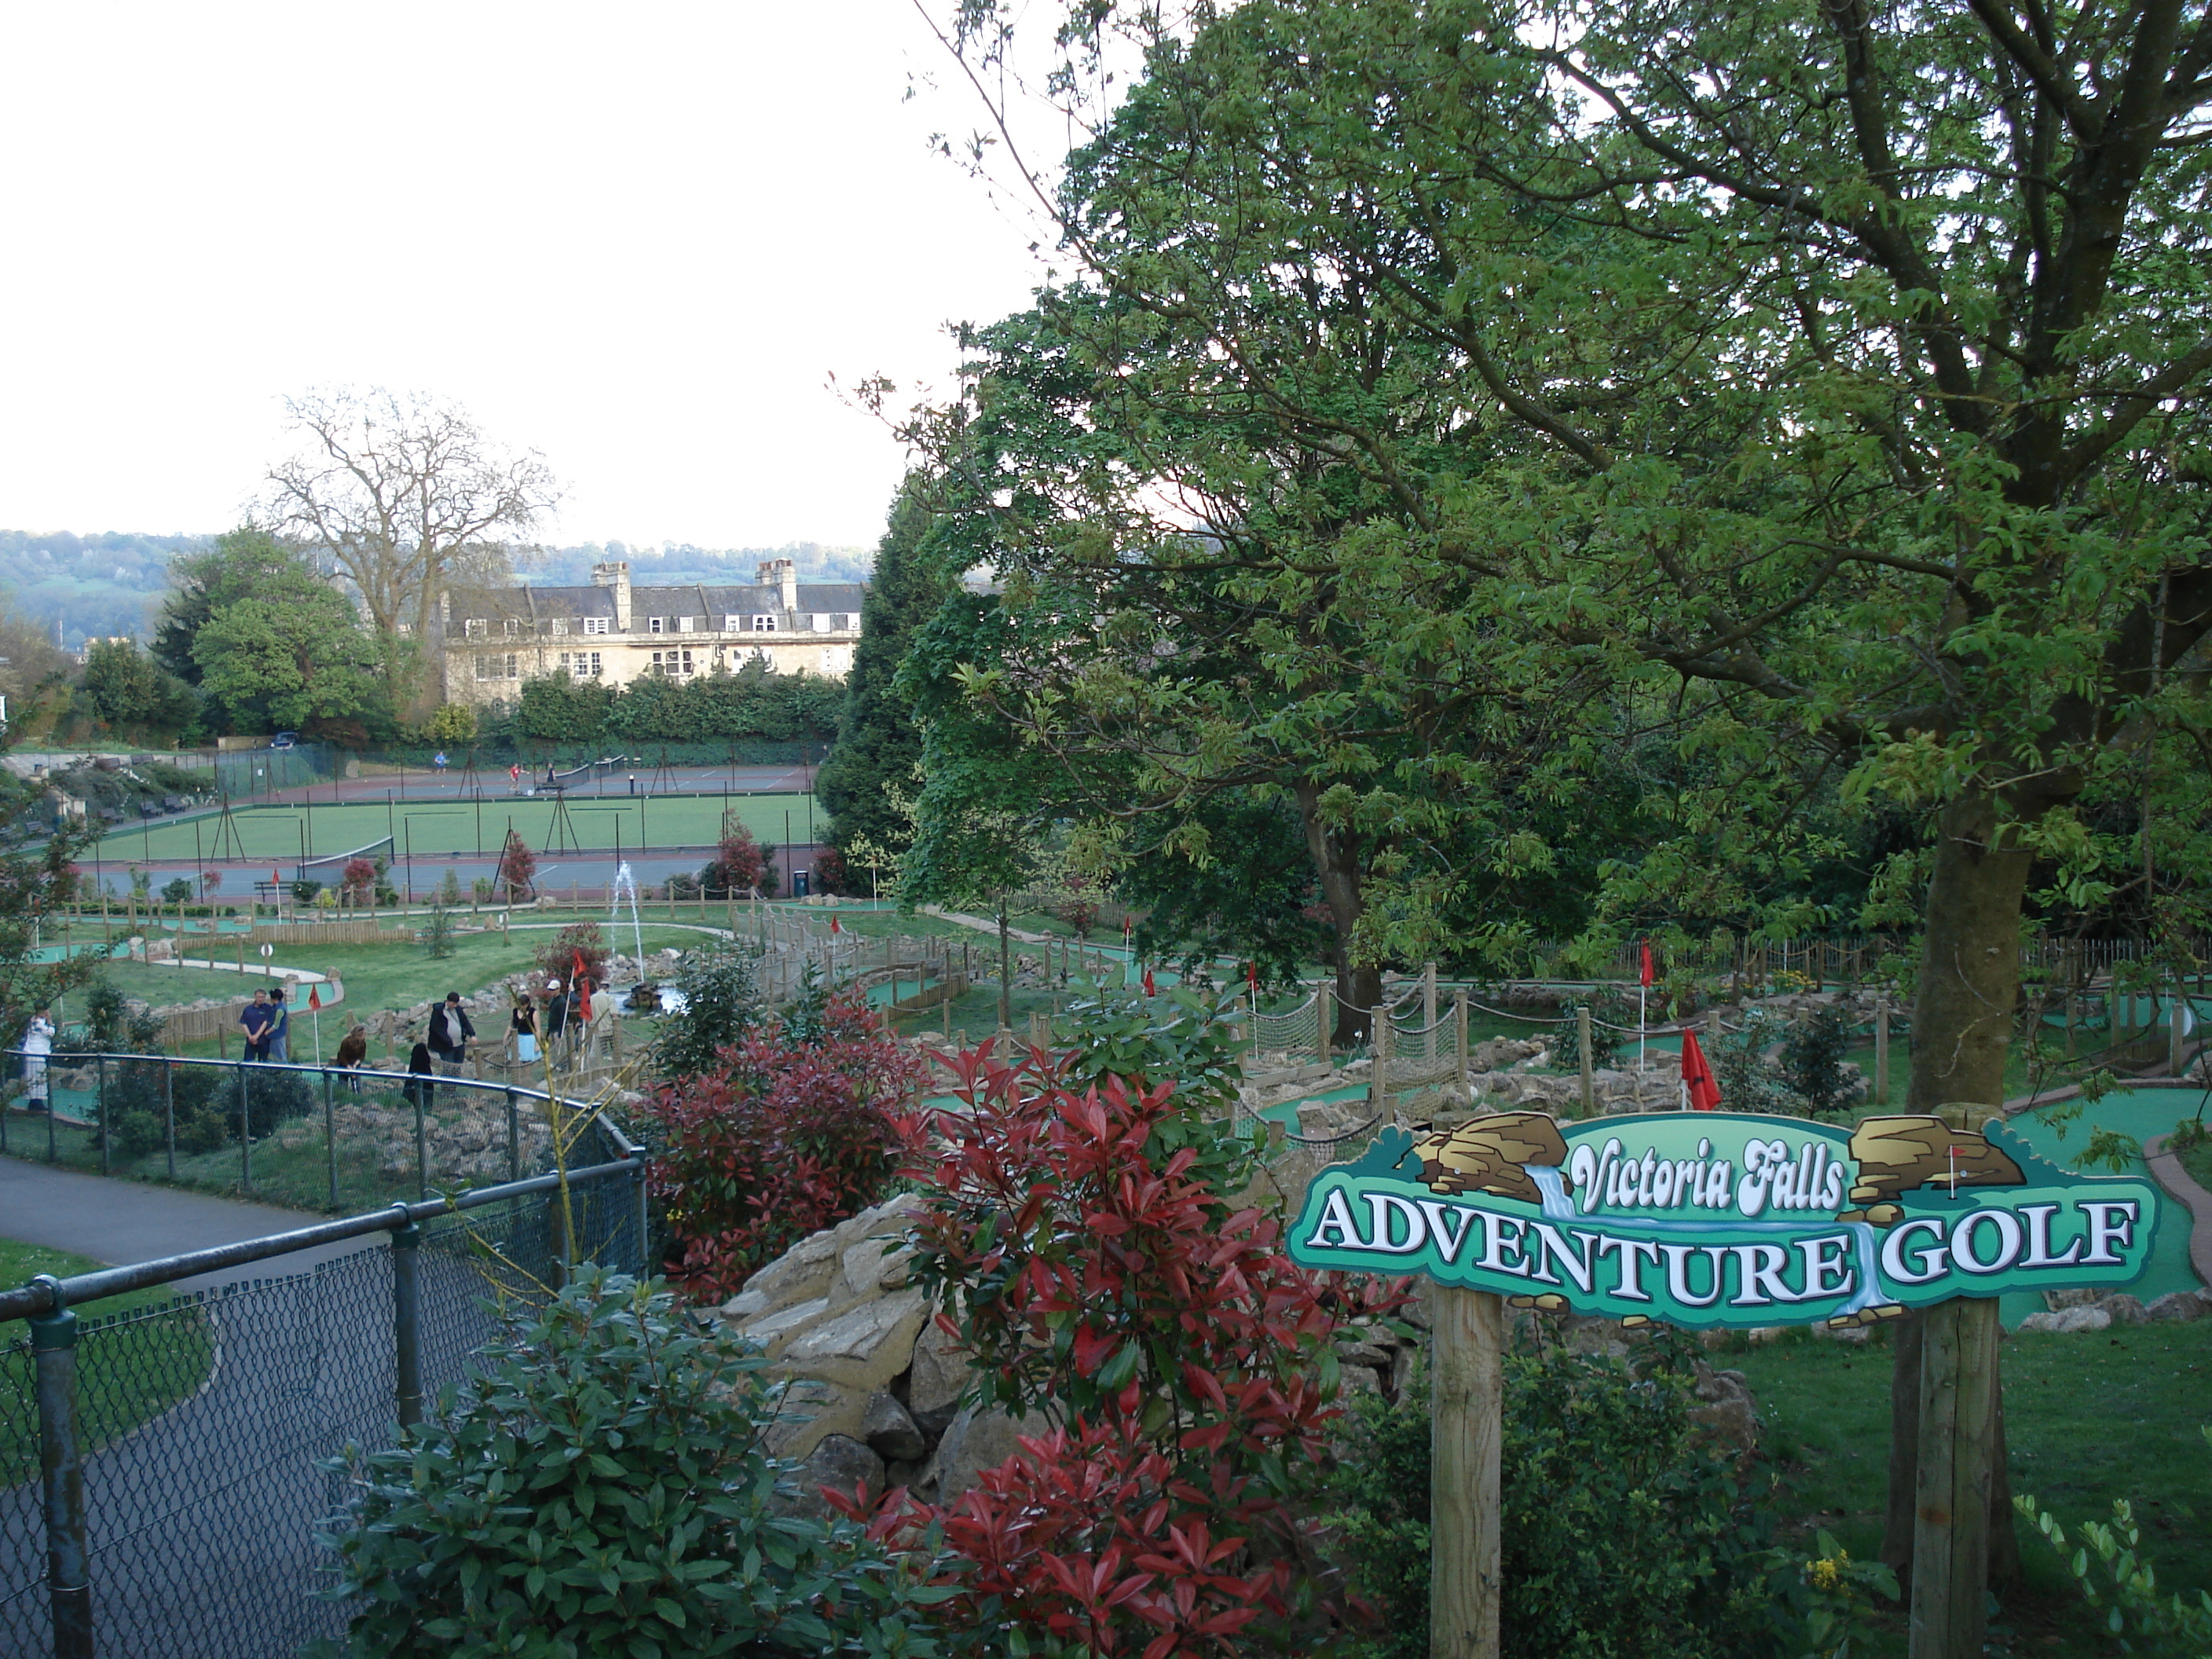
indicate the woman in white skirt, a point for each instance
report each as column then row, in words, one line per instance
column 37, row 1043
column 522, row 1023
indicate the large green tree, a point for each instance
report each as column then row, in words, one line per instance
column 1838, row 374
column 277, row 646
column 878, row 745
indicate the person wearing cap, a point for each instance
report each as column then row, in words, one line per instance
column 556, row 1016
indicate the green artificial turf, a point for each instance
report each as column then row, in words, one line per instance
column 137, row 1355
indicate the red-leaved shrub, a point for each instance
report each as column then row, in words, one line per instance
column 794, row 1129
column 1178, row 1361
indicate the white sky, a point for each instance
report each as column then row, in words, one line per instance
column 638, row 238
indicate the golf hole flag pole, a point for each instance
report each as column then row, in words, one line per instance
column 1706, row 1220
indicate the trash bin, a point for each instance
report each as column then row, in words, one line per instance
column 801, row 883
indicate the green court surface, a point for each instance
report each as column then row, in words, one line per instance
column 449, row 828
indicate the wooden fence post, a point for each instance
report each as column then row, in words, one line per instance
column 1458, row 1040
column 1582, row 1056
column 1465, row 1432
column 1881, row 1051
column 1324, row 1018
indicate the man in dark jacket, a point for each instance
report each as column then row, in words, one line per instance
column 450, row 1033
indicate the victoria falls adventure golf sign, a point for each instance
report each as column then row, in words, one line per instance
column 1712, row 1219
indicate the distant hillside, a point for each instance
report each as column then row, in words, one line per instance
column 110, row 583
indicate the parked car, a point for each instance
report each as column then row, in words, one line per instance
column 284, row 740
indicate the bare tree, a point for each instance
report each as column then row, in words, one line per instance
column 403, row 493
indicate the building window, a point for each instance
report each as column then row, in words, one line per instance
column 683, row 624
column 473, row 628
column 514, row 628
column 580, row 665
column 734, row 624
column 657, row 625
column 763, row 624
column 494, row 666
column 557, row 626
column 595, row 624
column 671, row 664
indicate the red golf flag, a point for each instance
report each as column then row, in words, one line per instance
column 583, row 978
column 1252, row 976
column 1646, row 947
column 1699, row 1087
column 315, row 997
column 836, row 926
column 1149, row 990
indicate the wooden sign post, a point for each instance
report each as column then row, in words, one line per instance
column 1712, row 1220
column 1466, row 1435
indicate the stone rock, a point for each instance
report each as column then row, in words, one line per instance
column 940, row 1374
column 975, row 1442
column 811, row 1409
column 2126, row 1309
column 865, row 1346
column 870, row 1265
column 1727, row 1414
column 799, row 1274
column 745, row 1305
column 2090, row 1318
column 772, row 1331
column 2038, row 1321
column 1849, row 1333
column 2180, row 1305
column 890, row 1433
column 839, row 1461
column 2059, row 1301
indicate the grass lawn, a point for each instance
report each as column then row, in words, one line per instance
column 376, row 977
column 2088, row 1418
column 137, row 1355
column 458, row 827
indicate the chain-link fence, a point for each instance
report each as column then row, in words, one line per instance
column 175, row 1513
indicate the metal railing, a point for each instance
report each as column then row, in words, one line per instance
column 463, row 1130
column 160, row 1486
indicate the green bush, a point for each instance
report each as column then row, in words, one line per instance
column 204, row 1099
column 1625, row 1536
column 1813, row 1057
column 599, row 1489
column 721, row 1003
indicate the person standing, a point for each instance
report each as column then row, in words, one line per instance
column 255, row 1018
column 451, row 1033
column 556, row 1015
column 421, row 1076
column 279, row 1027
column 522, row 1023
column 37, row 1043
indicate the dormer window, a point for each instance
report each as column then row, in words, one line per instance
column 764, row 624
column 596, row 624
column 474, row 629
column 559, row 627
column 514, row 628
column 683, row 624
column 657, row 625
column 734, row 624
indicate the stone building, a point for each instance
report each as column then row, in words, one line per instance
column 494, row 638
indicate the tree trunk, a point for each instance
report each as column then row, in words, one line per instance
column 1962, row 1026
column 1335, row 854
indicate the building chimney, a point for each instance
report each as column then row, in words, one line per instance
column 616, row 575
column 783, row 575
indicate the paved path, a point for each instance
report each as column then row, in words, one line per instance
column 119, row 1222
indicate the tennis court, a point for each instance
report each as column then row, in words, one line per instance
column 444, row 829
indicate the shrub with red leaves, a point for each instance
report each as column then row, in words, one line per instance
column 794, row 1129
column 1181, row 1363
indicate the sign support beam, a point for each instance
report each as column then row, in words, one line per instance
column 1466, row 1432
column 1950, row 1530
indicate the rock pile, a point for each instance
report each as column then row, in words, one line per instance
column 2070, row 1311
column 872, row 1385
